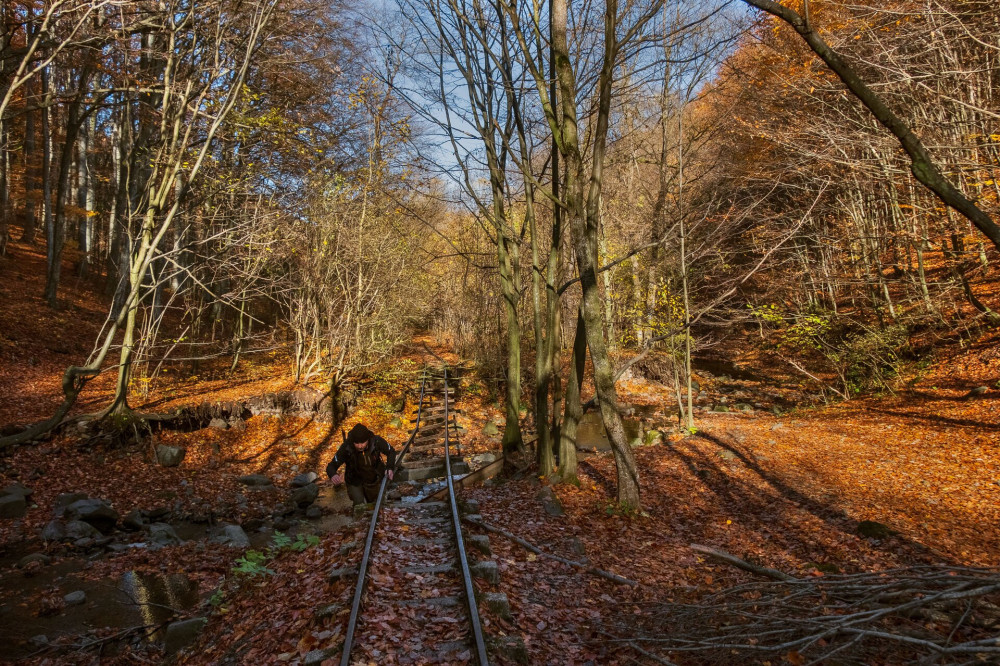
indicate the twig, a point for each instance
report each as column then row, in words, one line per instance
column 116, row 636
column 743, row 564
column 650, row 655
column 594, row 570
column 850, row 617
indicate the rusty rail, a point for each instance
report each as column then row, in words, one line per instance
column 479, row 644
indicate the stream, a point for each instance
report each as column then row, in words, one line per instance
column 590, row 433
column 133, row 599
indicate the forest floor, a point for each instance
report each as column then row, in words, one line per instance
column 786, row 490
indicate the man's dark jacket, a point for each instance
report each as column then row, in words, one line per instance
column 365, row 466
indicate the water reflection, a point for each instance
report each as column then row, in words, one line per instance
column 158, row 598
column 590, row 433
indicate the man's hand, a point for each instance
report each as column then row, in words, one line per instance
column 337, row 479
column 388, row 473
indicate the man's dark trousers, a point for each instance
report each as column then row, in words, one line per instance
column 365, row 494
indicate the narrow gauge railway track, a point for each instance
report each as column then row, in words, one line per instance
column 414, row 567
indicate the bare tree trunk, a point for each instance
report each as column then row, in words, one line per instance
column 5, row 211
column 574, row 406
column 543, row 360
column 584, row 221
column 955, row 255
column 58, row 229
column 609, row 314
column 4, row 188
column 85, row 195
column 512, row 440
column 31, row 184
column 684, row 267
column 51, row 241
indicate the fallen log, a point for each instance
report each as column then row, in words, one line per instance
column 723, row 556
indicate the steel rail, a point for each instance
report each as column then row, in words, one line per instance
column 470, row 592
column 359, row 588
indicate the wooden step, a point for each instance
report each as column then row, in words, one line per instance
column 433, row 420
column 438, row 409
column 431, row 471
column 428, row 447
column 435, row 429
column 436, row 424
column 422, row 462
column 417, row 505
column 436, row 437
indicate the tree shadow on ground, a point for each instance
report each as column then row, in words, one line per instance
column 771, row 517
column 762, row 500
column 937, row 419
column 272, row 452
column 205, row 390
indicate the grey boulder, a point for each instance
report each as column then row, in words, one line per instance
column 17, row 489
column 181, row 634
column 133, row 521
column 13, row 506
column 94, row 511
column 27, row 560
column 170, row 456
column 77, row 529
column 550, row 503
column 303, row 479
column 75, row 598
column 232, row 536
column 255, row 480
column 306, row 495
column 64, row 500
column 54, row 531
column 162, row 535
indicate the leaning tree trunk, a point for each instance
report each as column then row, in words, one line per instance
column 584, row 222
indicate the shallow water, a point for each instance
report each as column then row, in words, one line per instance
column 590, row 433
column 133, row 600
column 130, row 601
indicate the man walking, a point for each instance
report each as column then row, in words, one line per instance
column 361, row 454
